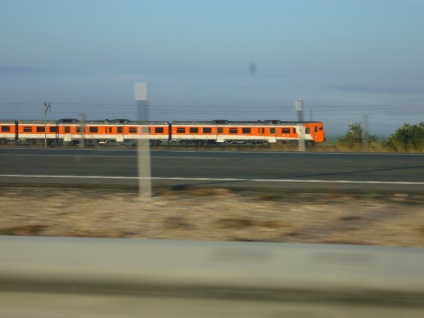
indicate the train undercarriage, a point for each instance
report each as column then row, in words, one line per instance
column 132, row 143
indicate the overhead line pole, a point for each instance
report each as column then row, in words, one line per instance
column 47, row 108
column 82, row 130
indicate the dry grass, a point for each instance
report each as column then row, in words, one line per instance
column 216, row 214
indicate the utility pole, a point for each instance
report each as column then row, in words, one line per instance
column 82, row 130
column 47, row 109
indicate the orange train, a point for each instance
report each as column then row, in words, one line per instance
column 160, row 132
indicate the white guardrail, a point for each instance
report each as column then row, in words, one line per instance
column 79, row 277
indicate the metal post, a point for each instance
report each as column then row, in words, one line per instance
column 47, row 108
column 301, row 128
column 143, row 149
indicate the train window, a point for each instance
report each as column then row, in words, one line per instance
column 93, row 129
column 307, row 130
column 40, row 129
column 158, row 130
column 5, row 128
column 285, row 130
column 194, row 130
column 233, row 130
column 54, row 129
column 294, row 130
column 145, row 130
column 246, row 130
column 119, row 130
column 316, row 128
column 320, row 128
column 27, row 129
column 207, row 130
column 263, row 130
column 181, row 130
column 220, row 130
column 78, row 129
column 133, row 130
column 272, row 130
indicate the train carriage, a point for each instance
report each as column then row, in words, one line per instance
column 288, row 132
column 33, row 131
column 198, row 132
column 8, row 131
column 117, row 130
column 315, row 131
column 69, row 130
column 246, row 132
column 158, row 132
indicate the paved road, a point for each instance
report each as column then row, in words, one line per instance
column 266, row 170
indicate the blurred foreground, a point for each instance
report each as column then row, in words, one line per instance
column 79, row 277
column 216, row 214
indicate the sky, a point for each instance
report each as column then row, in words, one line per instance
column 215, row 59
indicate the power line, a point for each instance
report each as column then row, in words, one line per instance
column 80, row 104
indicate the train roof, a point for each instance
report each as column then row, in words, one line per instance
column 112, row 122
column 37, row 122
column 248, row 123
column 267, row 122
column 147, row 123
column 68, row 120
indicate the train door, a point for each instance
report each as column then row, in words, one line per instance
column 272, row 134
column 120, row 137
column 308, row 133
column 67, row 134
column 57, row 132
column 16, row 130
column 300, row 132
column 118, row 133
column 262, row 133
column 220, row 134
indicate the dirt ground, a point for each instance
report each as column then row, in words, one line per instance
column 216, row 214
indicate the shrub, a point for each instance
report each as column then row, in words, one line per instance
column 355, row 137
column 407, row 138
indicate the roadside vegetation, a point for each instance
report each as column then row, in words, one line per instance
column 409, row 138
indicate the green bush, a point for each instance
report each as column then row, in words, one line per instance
column 407, row 138
column 356, row 138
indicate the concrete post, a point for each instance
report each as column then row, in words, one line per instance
column 143, row 146
column 301, row 128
